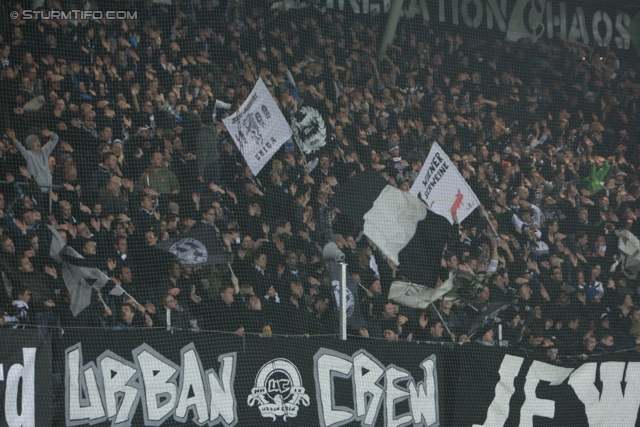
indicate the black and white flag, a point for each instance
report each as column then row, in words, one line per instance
column 309, row 130
column 196, row 248
column 76, row 277
column 354, row 315
column 258, row 128
column 399, row 224
column 629, row 247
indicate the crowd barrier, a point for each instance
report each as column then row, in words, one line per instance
column 156, row 378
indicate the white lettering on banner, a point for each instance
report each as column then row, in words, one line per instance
column 160, row 384
column 526, row 19
column 424, row 397
column 615, row 381
column 368, row 395
column 25, row 416
column 619, row 392
column 192, row 378
column 533, row 406
column 83, row 398
column 114, row 388
column 499, row 410
column 223, row 399
column 421, row 397
column 120, row 388
column 327, row 366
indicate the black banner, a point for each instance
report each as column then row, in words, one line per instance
column 155, row 378
column 508, row 389
column 25, row 377
column 136, row 378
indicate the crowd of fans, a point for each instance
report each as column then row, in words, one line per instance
column 116, row 126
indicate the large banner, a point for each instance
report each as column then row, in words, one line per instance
column 441, row 187
column 25, row 378
column 153, row 378
column 500, row 389
column 258, row 128
column 602, row 23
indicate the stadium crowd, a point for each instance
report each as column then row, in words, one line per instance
column 116, row 126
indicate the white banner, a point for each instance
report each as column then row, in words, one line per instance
column 441, row 187
column 258, row 128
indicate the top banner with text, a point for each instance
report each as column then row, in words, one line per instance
column 602, row 24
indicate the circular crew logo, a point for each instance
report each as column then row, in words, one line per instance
column 189, row 251
column 278, row 390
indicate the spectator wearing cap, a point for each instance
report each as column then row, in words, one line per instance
column 485, row 336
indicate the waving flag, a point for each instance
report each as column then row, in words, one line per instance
column 197, row 248
column 441, row 187
column 258, row 128
column 399, row 224
column 76, row 277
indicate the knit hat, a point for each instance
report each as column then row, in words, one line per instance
column 508, row 314
column 30, row 140
column 484, row 329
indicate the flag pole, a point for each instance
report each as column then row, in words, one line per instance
column 441, row 319
column 486, row 215
column 102, row 301
column 343, row 303
column 129, row 295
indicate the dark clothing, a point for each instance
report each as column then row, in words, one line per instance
column 223, row 317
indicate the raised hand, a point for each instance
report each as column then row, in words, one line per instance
column 25, row 172
column 51, row 271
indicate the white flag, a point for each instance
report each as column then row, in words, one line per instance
column 258, row 128
column 441, row 187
